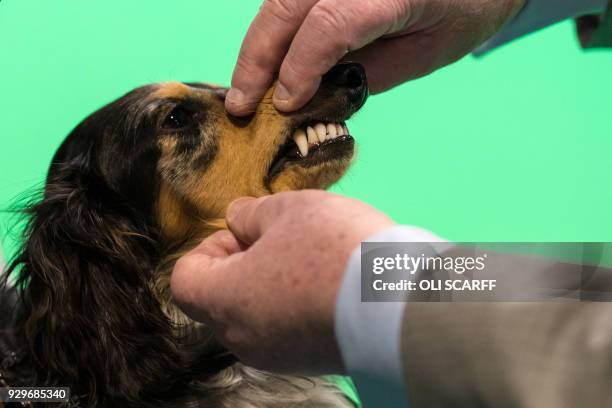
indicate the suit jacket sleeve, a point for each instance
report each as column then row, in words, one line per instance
column 595, row 31
column 593, row 28
column 521, row 354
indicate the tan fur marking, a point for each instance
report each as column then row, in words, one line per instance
column 245, row 151
column 172, row 90
column 172, row 215
column 192, row 205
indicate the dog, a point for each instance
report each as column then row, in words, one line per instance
column 133, row 187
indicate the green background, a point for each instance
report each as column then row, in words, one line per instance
column 514, row 146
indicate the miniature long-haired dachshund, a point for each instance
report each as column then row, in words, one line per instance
column 87, row 303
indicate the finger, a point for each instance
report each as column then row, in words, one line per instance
column 389, row 62
column 196, row 276
column 262, row 52
column 330, row 30
column 221, row 244
column 189, row 284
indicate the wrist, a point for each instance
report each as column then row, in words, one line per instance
column 502, row 12
column 510, row 9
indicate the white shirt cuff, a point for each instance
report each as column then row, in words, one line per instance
column 538, row 14
column 368, row 333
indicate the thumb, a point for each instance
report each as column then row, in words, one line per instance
column 248, row 218
column 330, row 30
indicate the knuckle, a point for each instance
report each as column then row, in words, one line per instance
column 179, row 285
column 224, row 236
column 186, row 292
column 294, row 72
column 333, row 21
column 252, row 63
column 398, row 7
column 273, row 207
column 283, row 10
column 328, row 14
column 396, row 14
column 181, row 265
column 184, row 265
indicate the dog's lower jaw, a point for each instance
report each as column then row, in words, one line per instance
column 320, row 176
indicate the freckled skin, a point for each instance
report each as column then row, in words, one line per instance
column 298, row 245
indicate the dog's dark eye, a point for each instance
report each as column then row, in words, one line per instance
column 178, row 118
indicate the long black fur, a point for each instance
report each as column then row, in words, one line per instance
column 86, row 318
column 79, row 307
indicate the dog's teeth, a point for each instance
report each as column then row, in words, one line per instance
column 312, row 135
column 331, row 131
column 339, row 130
column 300, row 140
column 321, row 131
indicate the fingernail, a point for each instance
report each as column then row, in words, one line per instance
column 235, row 97
column 281, row 94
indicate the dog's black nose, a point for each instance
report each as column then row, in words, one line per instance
column 352, row 78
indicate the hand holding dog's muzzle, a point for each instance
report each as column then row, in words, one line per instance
column 268, row 286
column 396, row 41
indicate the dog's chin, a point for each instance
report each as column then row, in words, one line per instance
column 317, row 176
column 311, row 158
column 319, row 171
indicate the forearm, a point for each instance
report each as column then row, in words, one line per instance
column 508, row 354
column 496, row 353
column 514, row 354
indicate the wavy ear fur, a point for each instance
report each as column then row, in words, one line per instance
column 88, row 312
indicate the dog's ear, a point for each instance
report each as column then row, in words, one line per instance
column 84, row 274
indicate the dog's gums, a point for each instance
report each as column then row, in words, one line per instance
column 313, row 144
column 313, row 135
column 134, row 186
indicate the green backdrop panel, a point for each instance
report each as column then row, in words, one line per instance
column 512, row 146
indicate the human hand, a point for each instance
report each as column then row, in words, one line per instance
column 268, row 288
column 395, row 40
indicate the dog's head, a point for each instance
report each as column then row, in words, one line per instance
column 137, row 181
column 172, row 149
